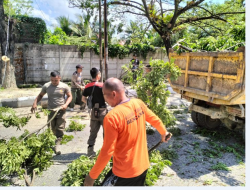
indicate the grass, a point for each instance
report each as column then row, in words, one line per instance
column 220, row 166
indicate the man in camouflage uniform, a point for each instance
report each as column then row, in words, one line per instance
column 56, row 91
column 77, row 86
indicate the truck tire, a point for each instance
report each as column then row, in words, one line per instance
column 194, row 117
column 207, row 122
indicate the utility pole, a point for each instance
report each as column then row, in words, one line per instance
column 105, row 40
column 100, row 38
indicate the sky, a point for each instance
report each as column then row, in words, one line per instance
column 49, row 10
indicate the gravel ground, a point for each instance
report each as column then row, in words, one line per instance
column 194, row 155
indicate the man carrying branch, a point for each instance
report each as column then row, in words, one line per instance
column 124, row 138
column 56, row 91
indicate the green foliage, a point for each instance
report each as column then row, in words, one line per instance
column 79, row 169
column 86, row 82
column 115, row 50
column 57, row 37
column 32, row 153
column 66, row 139
column 38, row 26
column 151, row 87
column 141, row 49
column 157, row 165
column 64, row 24
column 169, row 154
column 220, row 166
column 46, row 112
column 37, row 115
column 174, row 130
column 149, row 130
column 28, row 86
column 18, row 7
column 9, row 118
column 74, row 126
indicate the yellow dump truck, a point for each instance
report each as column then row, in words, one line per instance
column 214, row 82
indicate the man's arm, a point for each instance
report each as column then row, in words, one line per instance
column 110, row 138
column 84, row 99
column 38, row 98
column 156, row 122
column 69, row 99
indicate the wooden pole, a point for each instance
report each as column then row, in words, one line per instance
column 105, row 40
column 100, row 38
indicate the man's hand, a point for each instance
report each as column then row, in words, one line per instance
column 88, row 181
column 64, row 107
column 33, row 108
column 168, row 135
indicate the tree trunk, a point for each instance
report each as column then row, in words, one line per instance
column 167, row 44
column 8, row 69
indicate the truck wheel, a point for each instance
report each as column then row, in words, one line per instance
column 194, row 116
column 207, row 122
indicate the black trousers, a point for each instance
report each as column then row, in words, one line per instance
column 113, row 180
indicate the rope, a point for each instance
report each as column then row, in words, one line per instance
column 37, row 131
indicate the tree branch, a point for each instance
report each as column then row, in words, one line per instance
column 132, row 13
column 190, row 5
column 195, row 19
column 126, row 4
column 149, row 18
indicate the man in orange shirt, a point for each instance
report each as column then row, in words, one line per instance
column 124, row 138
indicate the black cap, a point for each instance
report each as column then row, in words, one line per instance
column 79, row 66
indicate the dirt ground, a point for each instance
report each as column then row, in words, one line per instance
column 199, row 157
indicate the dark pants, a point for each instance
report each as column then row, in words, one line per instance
column 113, row 180
column 58, row 123
column 95, row 124
column 134, row 74
column 76, row 97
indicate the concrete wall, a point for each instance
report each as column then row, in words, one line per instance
column 30, row 61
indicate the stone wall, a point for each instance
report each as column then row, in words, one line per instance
column 34, row 62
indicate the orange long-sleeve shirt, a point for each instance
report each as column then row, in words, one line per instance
column 125, row 139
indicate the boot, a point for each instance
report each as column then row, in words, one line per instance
column 58, row 142
column 91, row 152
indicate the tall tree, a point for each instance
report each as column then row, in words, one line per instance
column 7, row 48
column 18, row 7
column 65, row 24
column 170, row 16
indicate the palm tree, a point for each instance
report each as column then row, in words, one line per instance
column 65, row 23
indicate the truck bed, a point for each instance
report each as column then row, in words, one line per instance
column 216, row 77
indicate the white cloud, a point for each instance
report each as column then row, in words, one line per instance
column 49, row 10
